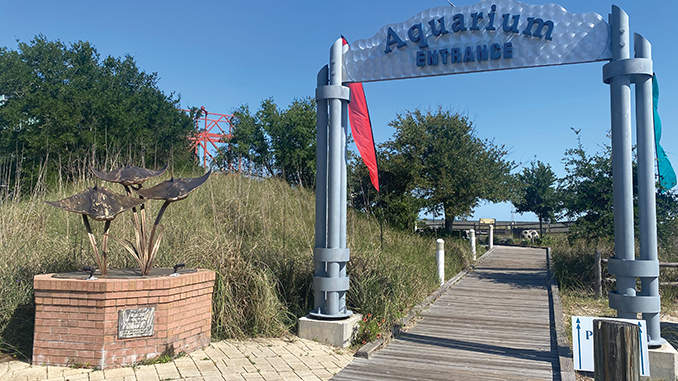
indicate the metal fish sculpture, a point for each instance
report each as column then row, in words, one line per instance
column 101, row 205
column 173, row 189
column 97, row 203
column 129, row 175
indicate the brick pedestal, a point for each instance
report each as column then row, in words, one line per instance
column 76, row 321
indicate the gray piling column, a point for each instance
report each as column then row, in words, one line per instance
column 620, row 105
column 330, row 282
column 344, row 186
column 334, row 177
column 620, row 73
column 321, row 183
column 647, row 206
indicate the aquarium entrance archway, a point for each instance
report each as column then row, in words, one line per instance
column 488, row 36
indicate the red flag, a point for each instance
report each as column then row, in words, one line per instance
column 361, row 128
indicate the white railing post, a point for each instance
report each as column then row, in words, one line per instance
column 491, row 236
column 473, row 243
column 440, row 260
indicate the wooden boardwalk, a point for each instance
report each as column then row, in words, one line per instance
column 495, row 324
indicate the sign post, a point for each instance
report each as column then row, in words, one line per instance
column 582, row 343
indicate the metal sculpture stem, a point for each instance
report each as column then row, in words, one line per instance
column 139, row 229
column 152, row 245
column 157, row 219
column 93, row 242
column 142, row 212
column 104, row 247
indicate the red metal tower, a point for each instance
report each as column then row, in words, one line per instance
column 213, row 132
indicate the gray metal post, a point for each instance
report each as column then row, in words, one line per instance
column 334, row 176
column 330, row 282
column 649, row 285
column 321, row 184
column 620, row 73
column 620, row 105
column 344, row 186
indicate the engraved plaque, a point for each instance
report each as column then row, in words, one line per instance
column 136, row 322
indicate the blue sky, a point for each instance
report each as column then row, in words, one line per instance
column 221, row 54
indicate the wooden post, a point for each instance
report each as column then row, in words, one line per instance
column 599, row 275
column 616, row 350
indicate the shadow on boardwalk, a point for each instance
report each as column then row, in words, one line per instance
column 495, row 324
column 517, row 279
column 474, row 347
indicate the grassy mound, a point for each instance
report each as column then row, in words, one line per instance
column 256, row 234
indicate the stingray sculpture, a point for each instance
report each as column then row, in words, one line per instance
column 169, row 191
column 134, row 177
column 129, row 176
column 101, row 205
column 146, row 246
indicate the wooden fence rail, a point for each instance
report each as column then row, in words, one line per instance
column 599, row 273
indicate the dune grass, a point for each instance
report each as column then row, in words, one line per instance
column 573, row 265
column 256, row 234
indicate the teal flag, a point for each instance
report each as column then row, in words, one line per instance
column 667, row 176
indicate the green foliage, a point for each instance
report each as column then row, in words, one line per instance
column 274, row 141
column 70, row 108
column 369, row 329
column 667, row 225
column 248, row 147
column 587, row 197
column 573, row 262
column 450, row 168
column 394, row 204
column 587, row 192
column 537, row 193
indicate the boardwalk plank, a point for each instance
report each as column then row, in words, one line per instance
column 493, row 325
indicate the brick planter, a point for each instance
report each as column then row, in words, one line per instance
column 77, row 321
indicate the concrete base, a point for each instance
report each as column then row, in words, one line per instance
column 334, row 332
column 663, row 363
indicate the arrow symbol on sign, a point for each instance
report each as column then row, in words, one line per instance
column 640, row 341
column 579, row 341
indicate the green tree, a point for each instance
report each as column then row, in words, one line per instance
column 248, row 147
column 451, row 169
column 66, row 106
column 279, row 142
column 293, row 139
column 536, row 192
column 586, row 192
column 395, row 203
column 667, row 224
column 587, row 196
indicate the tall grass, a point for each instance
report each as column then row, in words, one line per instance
column 256, row 234
column 574, row 264
column 574, row 268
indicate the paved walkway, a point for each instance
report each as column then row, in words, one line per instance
column 259, row 359
column 495, row 324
